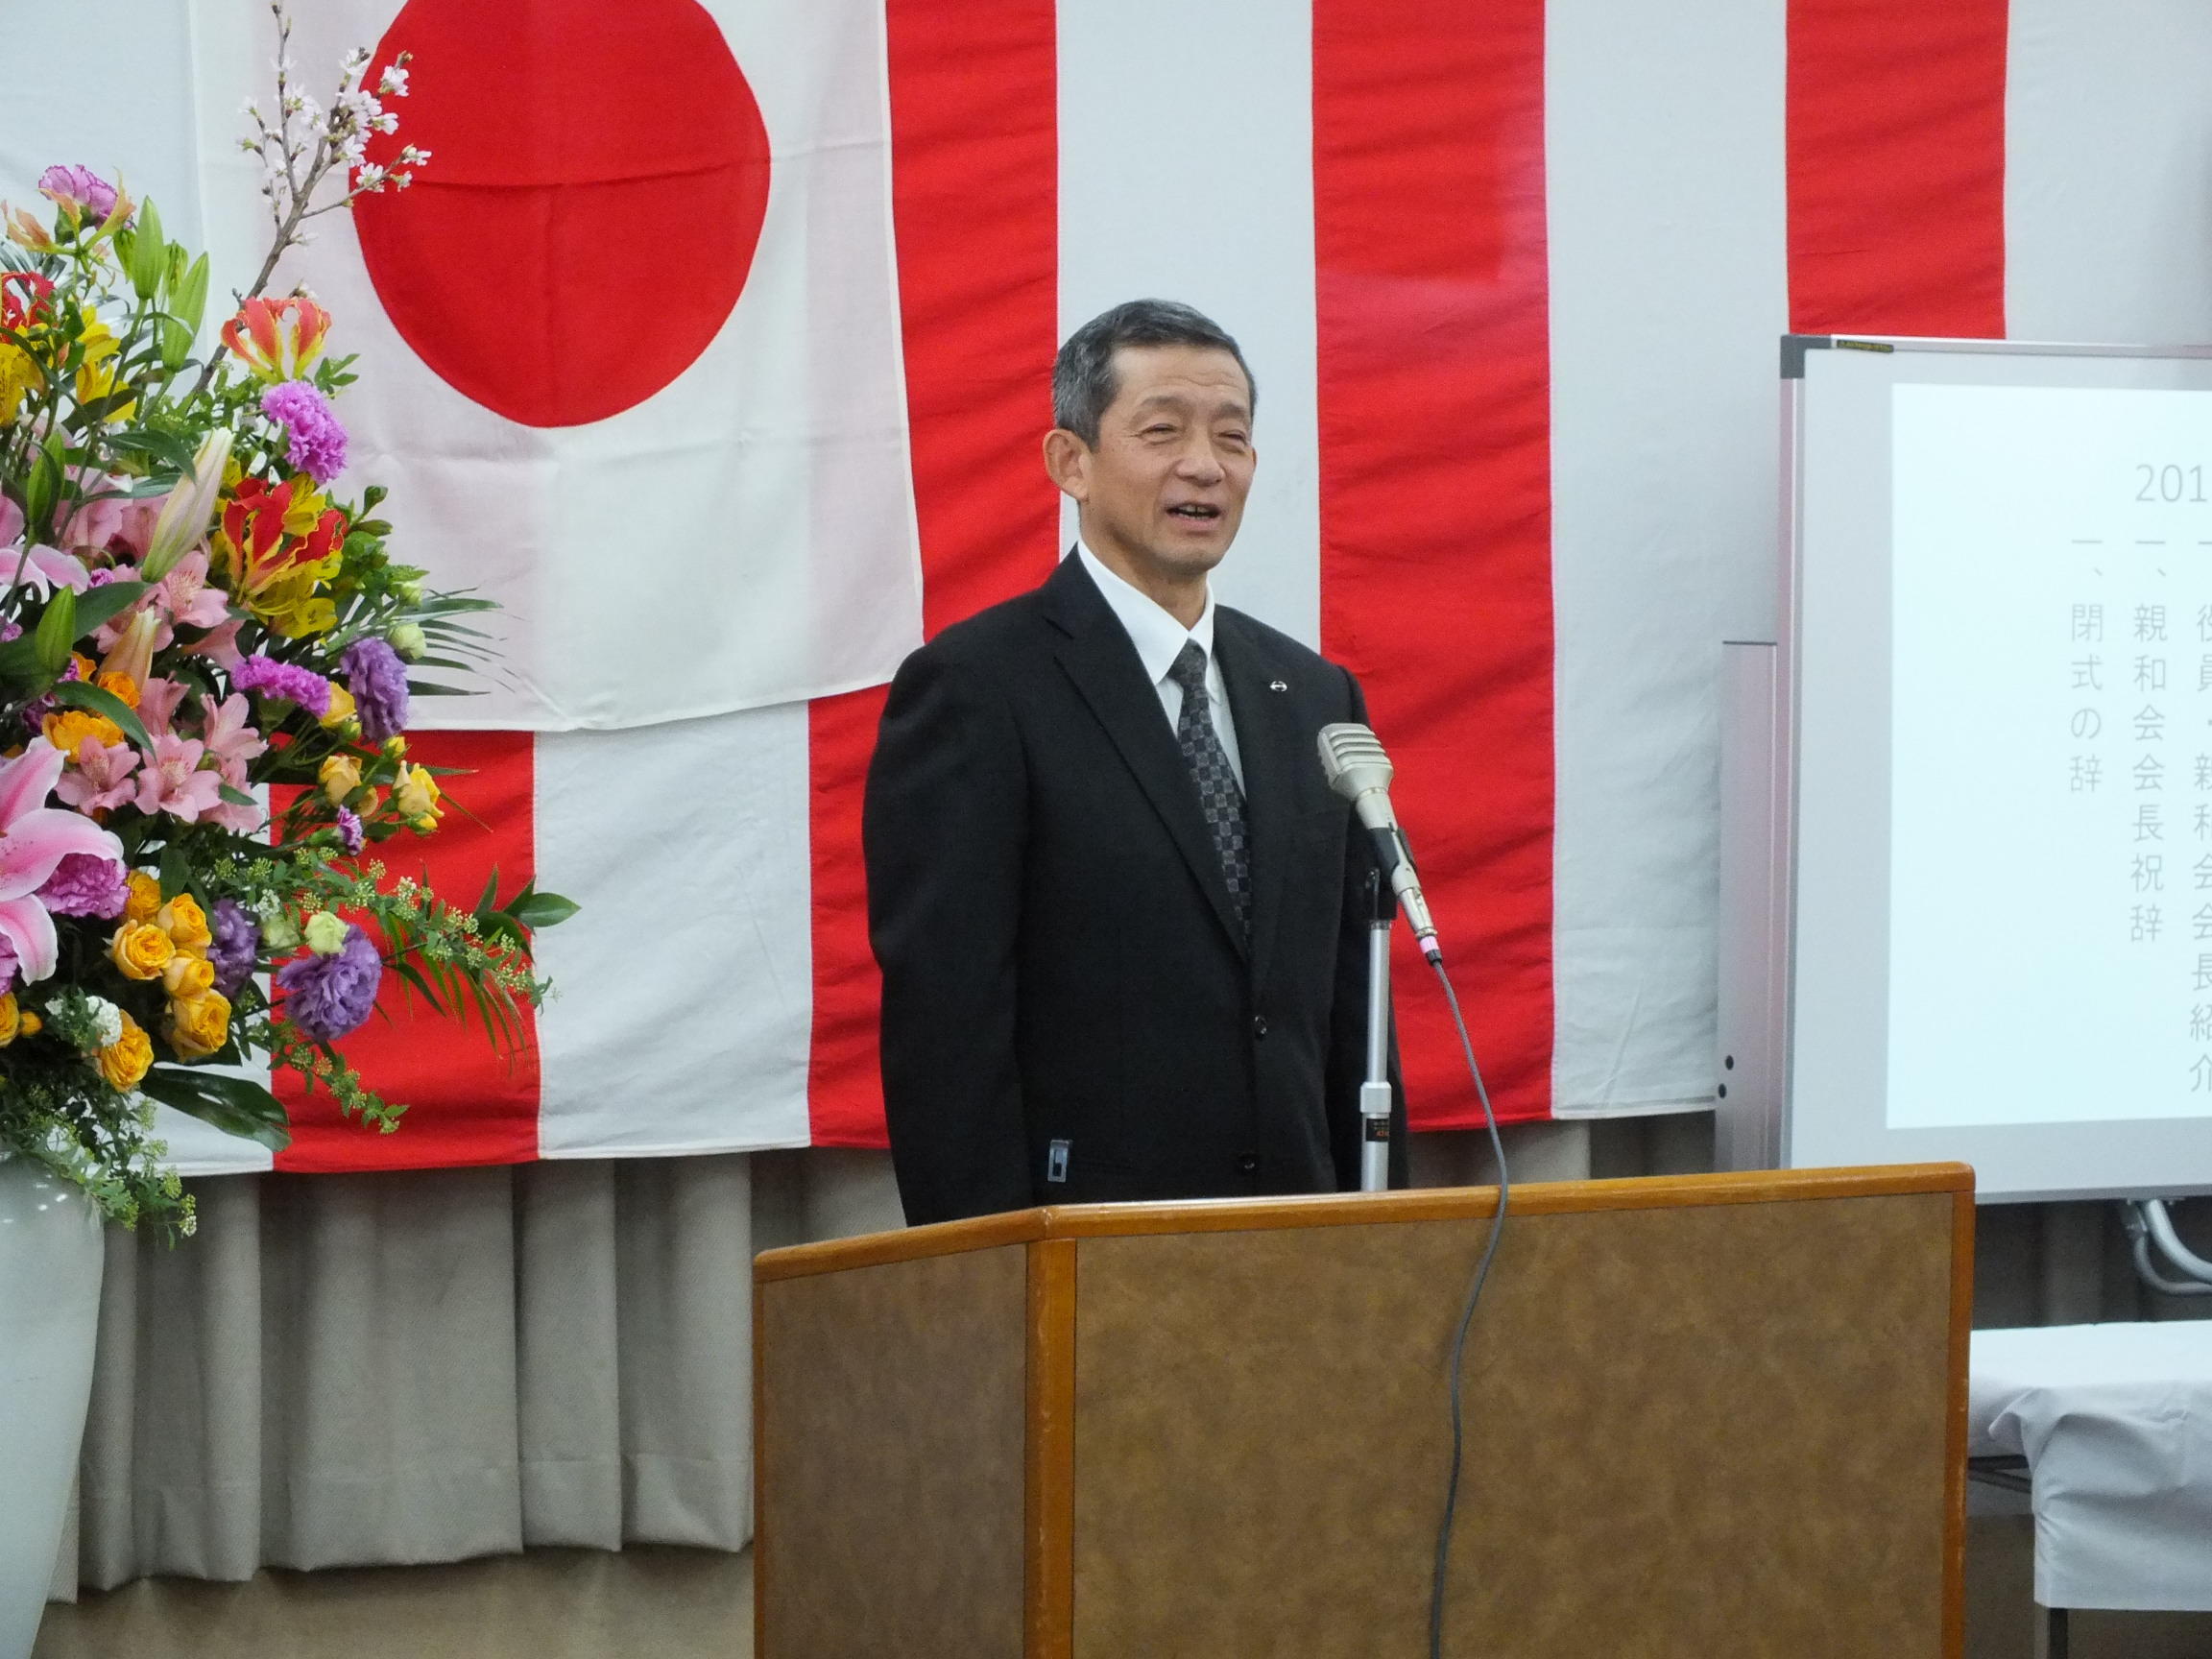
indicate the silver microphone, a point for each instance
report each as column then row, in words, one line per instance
column 1353, row 761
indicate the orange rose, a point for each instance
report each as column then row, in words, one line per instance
column 123, row 1062
column 199, row 1025
column 188, row 975
column 140, row 949
column 185, row 924
column 145, row 898
column 68, row 728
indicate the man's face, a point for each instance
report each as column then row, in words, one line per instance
column 1163, row 490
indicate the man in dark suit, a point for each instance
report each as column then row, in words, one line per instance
column 1122, row 922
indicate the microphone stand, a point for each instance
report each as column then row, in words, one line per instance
column 1375, row 1092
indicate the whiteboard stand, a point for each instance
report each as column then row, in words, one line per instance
column 1754, row 1028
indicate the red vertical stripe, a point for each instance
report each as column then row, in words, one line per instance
column 974, row 197
column 1897, row 166
column 1436, row 493
column 467, row 1104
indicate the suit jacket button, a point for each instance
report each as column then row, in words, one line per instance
column 1248, row 1164
column 1259, row 1026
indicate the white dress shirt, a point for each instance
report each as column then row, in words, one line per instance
column 1160, row 639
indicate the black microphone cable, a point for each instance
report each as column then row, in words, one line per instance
column 1466, row 1322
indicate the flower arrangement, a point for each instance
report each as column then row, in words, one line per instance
column 207, row 657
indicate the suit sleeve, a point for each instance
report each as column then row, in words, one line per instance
column 944, row 826
column 1347, row 1061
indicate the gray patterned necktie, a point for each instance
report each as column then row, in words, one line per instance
column 1219, row 797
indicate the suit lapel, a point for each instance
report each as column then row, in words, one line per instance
column 1271, row 747
column 1097, row 656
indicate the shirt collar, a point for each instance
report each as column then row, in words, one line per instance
column 1158, row 638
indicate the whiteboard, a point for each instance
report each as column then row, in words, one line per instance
column 1999, row 663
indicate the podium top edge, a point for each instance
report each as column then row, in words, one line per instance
column 1354, row 1209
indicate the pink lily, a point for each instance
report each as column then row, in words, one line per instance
column 184, row 593
column 132, row 652
column 175, row 783
column 34, row 838
column 228, row 736
column 221, row 645
column 239, row 817
column 94, row 523
column 10, row 521
column 157, row 700
column 43, row 570
column 102, row 776
column 183, row 521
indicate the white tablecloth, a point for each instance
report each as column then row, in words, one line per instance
column 2116, row 1423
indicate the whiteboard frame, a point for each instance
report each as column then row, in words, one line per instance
column 2010, row 1159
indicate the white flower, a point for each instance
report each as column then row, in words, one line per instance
column 108, row 1020
column 394, row 82
column 371, row 177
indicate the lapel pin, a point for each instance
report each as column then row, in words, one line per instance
column 1277, row 685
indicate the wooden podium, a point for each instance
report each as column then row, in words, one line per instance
column 1708, row 1416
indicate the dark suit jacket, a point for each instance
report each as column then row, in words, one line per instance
column 1060, row 962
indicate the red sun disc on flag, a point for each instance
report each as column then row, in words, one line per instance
column 589, row 212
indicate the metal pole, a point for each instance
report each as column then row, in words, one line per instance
column 1375, row 1092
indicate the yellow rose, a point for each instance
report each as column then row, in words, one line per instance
column 198, row 1025
column 340, row 776
column 120, row 685
column 341, row 711
column 123, row 1061
column 70, row 727
column 29, row 1024
column 188, row 975
column 145, row 898
column 416, row 796
column 140, row 949
column 185, row 924
column 11, row 1019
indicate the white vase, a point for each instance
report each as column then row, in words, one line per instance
column 49, row 1259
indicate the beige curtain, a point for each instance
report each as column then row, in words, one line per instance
column 345, row 1370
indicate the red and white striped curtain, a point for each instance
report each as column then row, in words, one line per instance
column 1511, row 278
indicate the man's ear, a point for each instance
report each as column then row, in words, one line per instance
column 1068, row 462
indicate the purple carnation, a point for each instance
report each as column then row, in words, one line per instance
column 236, row 944
column 86, row 884
column 78, row 187
column 349, row 830
column 8, row 967
column 378, row 682
column 317, row 441
column 329, row 996
column 302, row 686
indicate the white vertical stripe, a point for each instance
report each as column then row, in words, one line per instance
column 1186, row 173
column 1668, row 207
column 683, row 1005
column 2108, row 172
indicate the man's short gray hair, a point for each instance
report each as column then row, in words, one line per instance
column 1084, row 383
